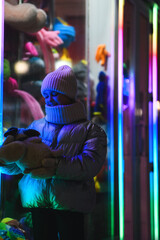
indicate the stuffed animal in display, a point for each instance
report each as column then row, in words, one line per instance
column 100, row 109
column 25, row 148
column 102, row 55
column 25, row 17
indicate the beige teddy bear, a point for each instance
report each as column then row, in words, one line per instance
column 24, row 17
column 25, row 148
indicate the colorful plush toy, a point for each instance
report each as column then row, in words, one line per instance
column 102, row 55
column 100, row 109
column 25, row 148
column 48, row 40
column 29, row 105
column 67, row 32
column 26, row 17
column 6, row 69
column 30, row 50
column 10, row 230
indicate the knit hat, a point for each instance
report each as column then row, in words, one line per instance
column 61, row 80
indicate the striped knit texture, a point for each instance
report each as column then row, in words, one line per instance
column 61, row 80
column 65, row 114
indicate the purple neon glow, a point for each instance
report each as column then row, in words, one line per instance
column 150, row 105
column 120, row 69
column 154, row 88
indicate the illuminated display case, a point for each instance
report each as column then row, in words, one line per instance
column 116, row 43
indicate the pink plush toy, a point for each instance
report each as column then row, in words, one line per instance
column 30, row 49
column 27, row 100
column 25, row 148
column 48, row 40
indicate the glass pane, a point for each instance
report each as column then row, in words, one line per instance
column 35, row 47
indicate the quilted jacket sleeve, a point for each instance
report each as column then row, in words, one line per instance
column 88, row 163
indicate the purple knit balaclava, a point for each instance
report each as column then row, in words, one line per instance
column 61, row 80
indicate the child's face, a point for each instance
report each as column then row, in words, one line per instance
column 53, row 98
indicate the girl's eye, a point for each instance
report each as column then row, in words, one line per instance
column 54, row 94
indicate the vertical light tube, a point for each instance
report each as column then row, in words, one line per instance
column 87, row 50
column 120, row 119
column 155, row 122
column 1, row 79
column 110, row 123
column 1, row 67
column 111, row 151
column 150, row 105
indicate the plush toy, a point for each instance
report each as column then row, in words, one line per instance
column 6, row 69
column 67, row 32
column 30, row 108
column 25, row 148
column 48, row 40
column 24, row 17
column 10, row 229
column 100, row 109
column 102, row 55
column 29, row 51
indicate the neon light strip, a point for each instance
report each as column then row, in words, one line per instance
column 1, row 67
column 120, row 119
column 111, row 154
column 110, row 125
column 151, row 133
column 155, row 122
column 1, row 79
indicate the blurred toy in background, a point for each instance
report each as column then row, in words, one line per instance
column 102, row 55
column 81, row 72
column 6, row 70
column 30, row 50
column 64, row 59
column 27, row 225
column 48, row 40
column 31, row 80
column 29, row 107
column 125, row 86
column 11, row 229
column 25, row 17
column 100, row 109
column 99, row 116
column 67, row 32
column 101, row 178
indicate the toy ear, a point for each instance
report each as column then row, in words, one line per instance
column 31, row 133
column 11, row 131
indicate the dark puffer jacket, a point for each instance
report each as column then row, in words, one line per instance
column 72, row 188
